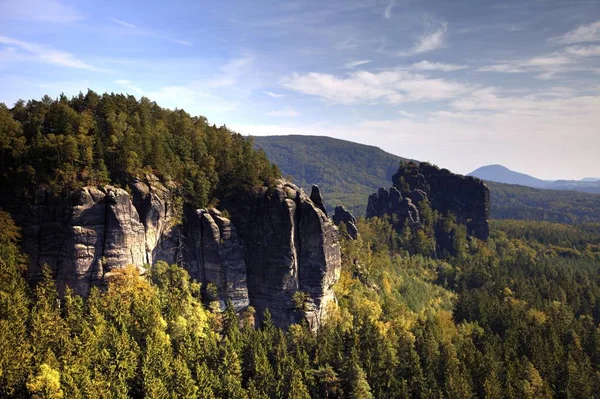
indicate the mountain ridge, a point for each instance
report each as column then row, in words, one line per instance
column 350, row 183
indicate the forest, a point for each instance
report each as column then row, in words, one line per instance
column 514, row 317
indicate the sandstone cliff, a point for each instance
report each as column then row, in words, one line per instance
column 280, row 243
column 291, row 246
column 467, row 198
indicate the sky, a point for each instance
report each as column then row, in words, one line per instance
column 461, row 83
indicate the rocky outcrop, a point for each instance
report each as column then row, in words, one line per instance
column 317, row 198
column 467, row 198
column 292, row 251
column 85, row 237
column 98, row 230
column 392, row 202
column 280, row 247
column 214, row 254
column 342, row 215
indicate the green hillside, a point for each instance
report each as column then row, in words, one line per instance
column 349, row 172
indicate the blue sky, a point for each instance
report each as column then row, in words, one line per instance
column 459, row 83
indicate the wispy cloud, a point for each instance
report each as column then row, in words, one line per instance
column 581, row 34
column 388, row 87
column 388, row 10
column 583, row 51
column 354, row 64
column 182, row 42
column 433, row 39
column 53, row 11
column 124, row 23
column 129, row 86
column 436, row 66
column 135, row 29
column 37, row 52
column 565, row 60
column 288, row 112
column 273, row 95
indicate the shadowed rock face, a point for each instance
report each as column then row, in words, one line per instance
column 83, row 239
column 468, row 198
column 214, row 253
column 284, row 243
column 291, row 246
column 342, row 215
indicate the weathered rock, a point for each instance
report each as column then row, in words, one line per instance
column 102, row 229
column 283, row 244
column 81, row 240
column 467, row 198
column 393, row 204
column 291, row 246
column 317, row 198
column 342, row 215
column 214, row 254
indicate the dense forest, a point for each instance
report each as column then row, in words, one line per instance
column 93, row 140
column 349, row 172
column 514, row 317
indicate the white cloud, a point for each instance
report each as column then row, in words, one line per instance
column 583, row 51
column 354, row 64
column 548, row 65
column 273, row 95
column 436, row 66
column 129, row 86
column 388, row 10
column 503, row 130
column 39, row 10
column 390, row 87
column 433, row 39
column 581, row 34
column 134, row 29
column 36, row 52
column 288, row 112
column 182, row 42
column 124, row 24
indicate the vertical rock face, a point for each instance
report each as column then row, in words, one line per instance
column 291, row 247
column 283, row 244
column 84, row 238
column 466, row 197
column 342, row 215
column 214, row 254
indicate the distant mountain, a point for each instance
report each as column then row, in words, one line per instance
column 501, row 174
column 349, row 172
column 591, row 179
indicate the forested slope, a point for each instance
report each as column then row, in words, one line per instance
column 349, row 172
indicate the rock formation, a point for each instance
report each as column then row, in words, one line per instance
column 467, row 198
column 291, row 246
column 282, row 243
column 214, row 253
column 342, row 215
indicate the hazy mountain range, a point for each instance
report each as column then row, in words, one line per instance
column 502, row 174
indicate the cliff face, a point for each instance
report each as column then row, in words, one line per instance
column 291, row 246
column 279, row 243
column 466, row 197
